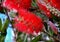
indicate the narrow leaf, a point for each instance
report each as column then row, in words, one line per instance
column 25, row 38
column 51, row 32
column 37, row 38
column 0, row 24
column 5, row 25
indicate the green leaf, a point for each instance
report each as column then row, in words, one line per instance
column 0, row 24
column 25, row 38
column 51, row 32
column 55, row 18
column 37, row 38
column 34, row 3
column 5, row 25
column 2, row 37
column 19, row 37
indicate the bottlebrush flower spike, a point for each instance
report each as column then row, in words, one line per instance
column 42, row 6
column 53, row 27
column 28, row 22
column 25, row 3
column 49, row 7
column 15, row 4
column 10, row 4
column 55, row 3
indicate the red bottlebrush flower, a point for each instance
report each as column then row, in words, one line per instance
column 25, row 3
column 10, row 4
column 49, row 7
column 28, row 22
column 55, row 3
column 42, row 5
column 15, row 4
